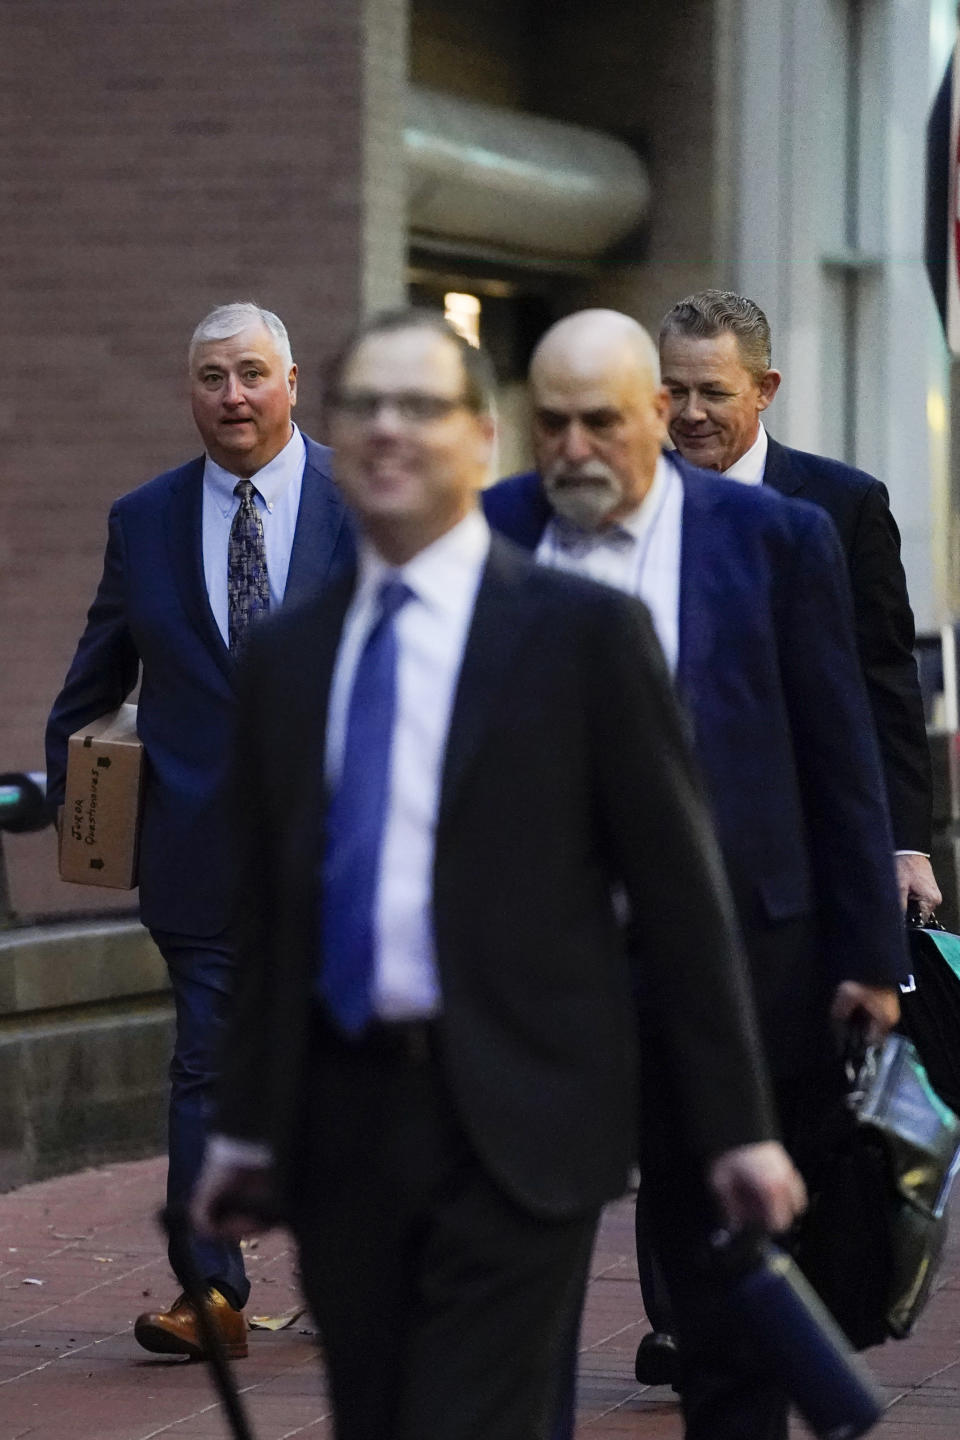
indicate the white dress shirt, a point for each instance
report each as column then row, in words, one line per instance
column 277, row 498
column 640, row 555
column 752, row 463
column 431, row 630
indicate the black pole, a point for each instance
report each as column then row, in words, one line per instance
column 6, row 909
column 938, row 191
column 175, row 1221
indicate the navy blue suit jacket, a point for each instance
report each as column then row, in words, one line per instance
column 768, row 671
column 859, row 507
column 151, row 617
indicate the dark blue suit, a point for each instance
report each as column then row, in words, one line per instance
column 151, row 616
column 768, row 671
column 859, row 506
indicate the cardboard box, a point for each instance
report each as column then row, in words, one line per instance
column 101, row 811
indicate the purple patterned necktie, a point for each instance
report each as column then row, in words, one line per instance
column 248, row 586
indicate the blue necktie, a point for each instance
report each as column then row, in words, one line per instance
column 356, row 819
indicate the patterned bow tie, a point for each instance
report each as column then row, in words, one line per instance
column 574, row 541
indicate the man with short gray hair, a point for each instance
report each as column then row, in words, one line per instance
column 715, row 354
column 193, row 558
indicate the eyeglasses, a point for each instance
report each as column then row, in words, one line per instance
column 414, row 406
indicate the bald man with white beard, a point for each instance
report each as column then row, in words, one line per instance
column 767, row 670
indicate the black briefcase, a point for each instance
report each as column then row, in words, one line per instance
column 930, row 1007
column 876, row 1225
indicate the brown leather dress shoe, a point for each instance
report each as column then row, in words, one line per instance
column 177, row 1331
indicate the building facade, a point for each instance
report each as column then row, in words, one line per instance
column 313, row 157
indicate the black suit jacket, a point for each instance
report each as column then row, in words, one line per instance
column 566, row 769
column 859, row 507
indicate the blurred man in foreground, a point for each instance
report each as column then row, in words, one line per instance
column 715, row 358
column 750, row 602
column 447, row 764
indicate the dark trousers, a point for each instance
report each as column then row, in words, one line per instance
column 202, row 975
column 442, row 1304
column 653, row 1284
column 727, row 1390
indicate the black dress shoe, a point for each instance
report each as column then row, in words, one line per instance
column 658, row 1360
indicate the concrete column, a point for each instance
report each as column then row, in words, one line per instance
column 385, row 63
column 899, row 431
column 827, row 102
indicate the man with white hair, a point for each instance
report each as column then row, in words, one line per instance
column 193, row 558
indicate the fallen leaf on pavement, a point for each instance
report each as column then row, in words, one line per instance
column 276, row 1322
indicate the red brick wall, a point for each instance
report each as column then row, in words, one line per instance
column 158, row 160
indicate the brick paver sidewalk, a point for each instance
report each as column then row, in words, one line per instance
column 70, row 1369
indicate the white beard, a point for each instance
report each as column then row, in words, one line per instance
column 586, row 502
